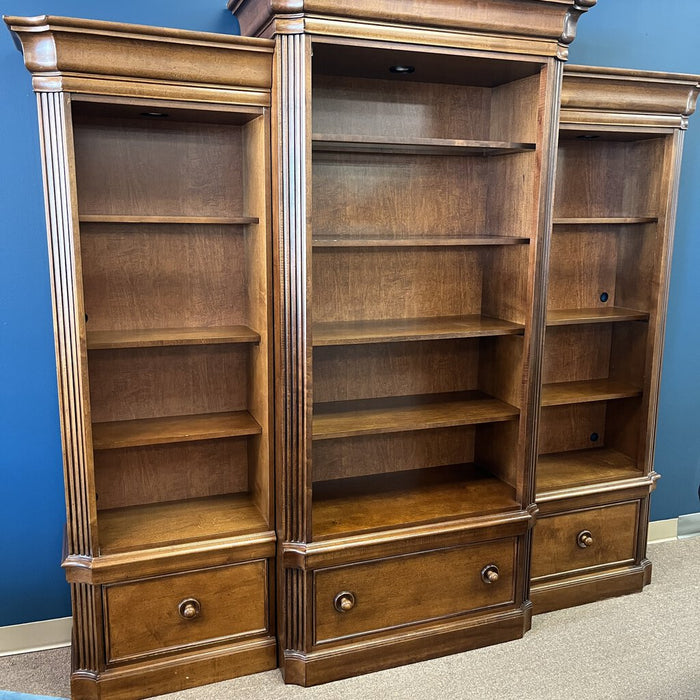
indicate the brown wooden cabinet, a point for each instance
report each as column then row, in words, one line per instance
column 156, row 162
column 414, row 172
column 620, row 142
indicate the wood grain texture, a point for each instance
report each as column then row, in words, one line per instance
column 378, row 454
column 405, row 590
column 162, row 524
column 587, row 390
column 140, row 219
column 160, row 337
column 340, row 143
column 561, row 470
column 410, row 241
column 553, row 24
column 415, row 329
column 398, row 414
column 128, row 59
column 156, row 431
column 555, row 550
column 232, row 600
column 606, row 314
column 173, row 471
column 385, row 501
column 168, row 381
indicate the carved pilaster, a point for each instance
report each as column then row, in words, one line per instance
column 71, row 350
column 86, row 621
column 294, row 394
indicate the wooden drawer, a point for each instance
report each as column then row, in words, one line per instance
column 556, row 545
column 152, row 614
column 407, row 589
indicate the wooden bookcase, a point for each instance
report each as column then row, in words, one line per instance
column 413, row 182
column 620, row 142
column 156, row 164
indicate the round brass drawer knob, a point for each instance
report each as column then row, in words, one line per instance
column 584, row 539
column 490, row 574
column 344, row 602
column 189, row 608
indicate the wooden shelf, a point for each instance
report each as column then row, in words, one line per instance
column 337, row 143
column 343, row 419
column 402, row 499
column 158, row 431
column 192, row 520
column 603, row 220
column 211, row 220
column 331, row 241
column 563, row 470
column 415, row 329
column 563, row 393
column 159, row 337
column 612, row 314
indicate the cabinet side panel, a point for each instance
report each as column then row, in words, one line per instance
column 71, row 352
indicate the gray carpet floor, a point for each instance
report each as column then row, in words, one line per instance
column 639, row 647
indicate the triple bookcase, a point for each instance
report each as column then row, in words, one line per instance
column 349, row 371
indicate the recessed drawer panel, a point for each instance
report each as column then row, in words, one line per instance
column 584, row 539
column 174, row 611
column 377, row 595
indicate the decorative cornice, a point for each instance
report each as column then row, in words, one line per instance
column 593, row 95
column 133, row 60
column 552, row 23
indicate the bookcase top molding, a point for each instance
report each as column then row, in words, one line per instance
column 538, row 27
column 593, row 95
column 129, row 60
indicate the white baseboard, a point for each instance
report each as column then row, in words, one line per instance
column 663, row 530
column 35, row 636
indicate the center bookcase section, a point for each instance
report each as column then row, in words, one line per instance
column 423, row 209
column 175, row 271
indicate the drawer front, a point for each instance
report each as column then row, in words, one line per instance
column 182, row 609
column 561, row 545
column 393, row 592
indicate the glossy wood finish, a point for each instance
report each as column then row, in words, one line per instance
column 155, row 146
column 412, row 213
column 617, row 179
column 148, row 616
column 410, row 589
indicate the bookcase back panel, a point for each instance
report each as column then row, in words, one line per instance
column 575, row 427
column 363, row 284
column 399, row 195
column 155, row 382
column 153, row 166
column 171, row 472
column 375, row 107
column 381, row 454
column 141, row 276
column 574, row 353
column 395, row 369
column 601, row 266
column 599, row 177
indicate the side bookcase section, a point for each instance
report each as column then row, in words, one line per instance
column 414, row 171
column 620, row 144
column 158, row 218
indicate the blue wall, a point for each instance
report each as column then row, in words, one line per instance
column 627, row 33
column 653, row 35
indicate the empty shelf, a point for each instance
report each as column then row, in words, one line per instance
column 344, row 419
column 335, row 143
column 158, row 337
column 158, row 431
column 412, row 329
column 603, row 220
column 612, row 314
column 402, row 499
column 335, row 241
column 562, row 470
column 140, row 219
column 161, row 524
column 563, row 393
